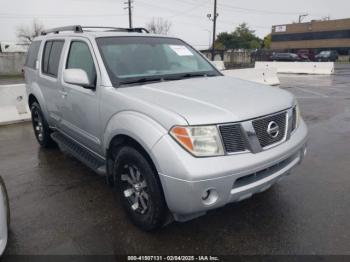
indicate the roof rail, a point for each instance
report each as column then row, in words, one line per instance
column 81, row 29
column 117, row 29
column 74, row 28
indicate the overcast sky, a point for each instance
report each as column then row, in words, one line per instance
column 188, row 17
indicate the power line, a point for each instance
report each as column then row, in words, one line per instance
column 226, row 22
column 54, row 16
column 258, row 10
column 186, row 12
column 177, row 13
column 253, row 10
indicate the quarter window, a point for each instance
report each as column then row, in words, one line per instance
column 80, row 57
column 32, row 54
column 51, row 57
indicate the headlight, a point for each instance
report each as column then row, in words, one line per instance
column 298, row 116
column 199, row 140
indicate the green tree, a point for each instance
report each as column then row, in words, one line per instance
column 219, row 46
column 242, row 37
column 255, row 44
column 267, row 41
column 225, row 40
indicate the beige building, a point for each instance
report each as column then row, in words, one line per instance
column 316, row 35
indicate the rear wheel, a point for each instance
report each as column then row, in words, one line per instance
column 139, row 189
column 41, row 128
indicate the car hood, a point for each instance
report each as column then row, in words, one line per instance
column 212, row 100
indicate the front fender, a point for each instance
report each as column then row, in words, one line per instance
column 143, row 129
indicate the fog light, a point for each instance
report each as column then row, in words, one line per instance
column 209, row 197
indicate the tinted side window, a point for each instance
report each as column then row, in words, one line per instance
column 51, row 57
column 80, row 57
column 46, row 55
column 32, row 55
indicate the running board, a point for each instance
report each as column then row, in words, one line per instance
column 82, row 154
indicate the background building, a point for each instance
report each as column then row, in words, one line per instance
column 314, row 35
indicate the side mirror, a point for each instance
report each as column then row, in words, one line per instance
column 76, row 76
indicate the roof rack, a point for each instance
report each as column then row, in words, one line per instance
column 81, row 29
column 117, row 29
column 74, row 28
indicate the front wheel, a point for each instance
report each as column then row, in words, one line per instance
column 139, row 189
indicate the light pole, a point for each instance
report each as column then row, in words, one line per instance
column 301, row 17
column 213, row 18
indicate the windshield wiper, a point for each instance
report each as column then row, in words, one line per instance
column 164, row 78
column 141, row 80
column 189, row 75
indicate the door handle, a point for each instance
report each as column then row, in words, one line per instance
column 63, row 94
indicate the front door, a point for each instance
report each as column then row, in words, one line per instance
column 80, row 114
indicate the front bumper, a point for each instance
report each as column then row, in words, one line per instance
column 185, row 178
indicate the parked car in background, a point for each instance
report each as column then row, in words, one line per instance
column 285, row 57
column 303, row 58
column 327, row 56
column 4, row 216
column 306, row 54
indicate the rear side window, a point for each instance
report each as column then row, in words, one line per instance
column 51, row 57
column 81, row 58
column 32, row 55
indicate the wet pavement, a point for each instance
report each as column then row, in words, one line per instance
column 61, row 207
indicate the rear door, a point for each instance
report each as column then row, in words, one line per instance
column 50, row 68
column 81, row 119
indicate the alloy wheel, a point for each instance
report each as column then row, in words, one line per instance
column 135, row 189
column 38, row 125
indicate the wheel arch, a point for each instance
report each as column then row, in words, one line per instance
column 35, row 95
column 121, row 140
column 31, row 100
column 135, row 129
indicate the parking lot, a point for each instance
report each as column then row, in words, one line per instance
column 61, row 207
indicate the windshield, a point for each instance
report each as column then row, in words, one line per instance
column 133, row 59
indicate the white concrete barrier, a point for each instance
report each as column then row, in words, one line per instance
column 13, row 104
column 266, row 76
column 219, row 64
column 314, row 68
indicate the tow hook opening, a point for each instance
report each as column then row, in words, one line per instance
column 209, row 196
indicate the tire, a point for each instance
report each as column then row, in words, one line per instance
column 40, row 126
column 139, row 189
column 6, row 200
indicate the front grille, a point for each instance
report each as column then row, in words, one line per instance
column 261, row 125
column 232, row 138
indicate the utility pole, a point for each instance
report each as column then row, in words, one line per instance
column 129, row 7
column 215, row 15
column 301, row 17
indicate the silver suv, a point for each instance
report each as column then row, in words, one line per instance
column 160, row 122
